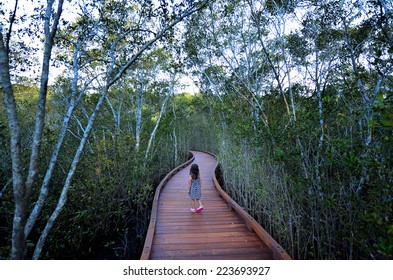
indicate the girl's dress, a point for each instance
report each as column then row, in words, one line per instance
column 195, row 190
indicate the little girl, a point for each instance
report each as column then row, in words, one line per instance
column 194, row 188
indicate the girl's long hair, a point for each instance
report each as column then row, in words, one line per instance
column 194, row 171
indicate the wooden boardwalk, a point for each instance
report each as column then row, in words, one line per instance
column 219, row 232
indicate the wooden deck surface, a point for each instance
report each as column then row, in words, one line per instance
column 216, row 233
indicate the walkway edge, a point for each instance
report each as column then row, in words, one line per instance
column 153, row 218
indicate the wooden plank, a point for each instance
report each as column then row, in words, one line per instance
column 196, row 235
column 211, row 252
column 220, row 257
column 208, row 246
column 197, row 218
column 227, row 237
column 201, row 223
column 201, row 228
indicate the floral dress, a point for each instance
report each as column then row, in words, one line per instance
column 195, row 190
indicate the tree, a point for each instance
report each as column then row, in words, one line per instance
column 22, row 187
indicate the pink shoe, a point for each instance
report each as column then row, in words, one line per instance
column 192, row 210
column 199, row 210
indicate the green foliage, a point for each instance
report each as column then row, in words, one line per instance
column 280, row 6
column 107, row 197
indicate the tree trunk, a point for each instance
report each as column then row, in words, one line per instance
column 19, row 187
column 153, row 133
column 367, row 99
column 45, row 184
column 48, row 175
column 138, row 122
column 70, row 175
column 22, row 190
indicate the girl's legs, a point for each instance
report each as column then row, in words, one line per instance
column 200, row 208
column 192, row 203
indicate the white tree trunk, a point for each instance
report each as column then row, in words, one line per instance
column 63, row 197
column 138, row 122
column 153, row 133
column 22, row 190
column 367, row 98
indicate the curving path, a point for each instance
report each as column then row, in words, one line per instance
column 219, row 232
